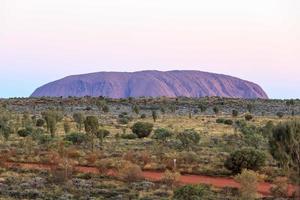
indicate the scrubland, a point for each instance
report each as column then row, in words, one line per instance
column 148, row 148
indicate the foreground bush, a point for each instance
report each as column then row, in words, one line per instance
column 285, row 145
column 247, row 158
column 192, row 192
column 142, row 129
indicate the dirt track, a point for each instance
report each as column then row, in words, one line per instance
column 263, row 188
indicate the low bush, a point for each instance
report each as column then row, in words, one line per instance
column 249, row 181
column 40, row 122
column 24, row 132
column 192, row 192
column 248, row 117
column 228, row 122
column 44, row 139
column 102, row 133
column 188, row 138
column 130, row 172
column 280, row 114
column 142, row 129
column 76, row 138
column 170, row 178
column 247, row 158
column 235, row 113
column 162, row 134
column 129, row 136
column 220, row 120
column 280, row 188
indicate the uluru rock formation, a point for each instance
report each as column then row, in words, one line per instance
column 151, row 83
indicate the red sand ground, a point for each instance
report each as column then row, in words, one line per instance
column 263, row 188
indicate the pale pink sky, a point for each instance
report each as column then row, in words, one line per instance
column 43, row 40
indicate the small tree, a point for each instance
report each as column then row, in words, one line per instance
column 101, row 134
column 216, row 110
column 188, row 138
column 235, row 113
column 5, row 129
column 67, row 127
column 154, row 115
column 91, row 126
column 52, row 118
column 105, row 108
column 250, row 108
column 79, row 119
column 285, row 146
column 202, row 107
column 142, row 129
column 136, row 109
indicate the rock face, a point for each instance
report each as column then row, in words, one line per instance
column 151, row 83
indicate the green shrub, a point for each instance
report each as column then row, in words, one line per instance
column 216, row 110
column 228, row 122
column 44, row 139
column 91, row 124
column 40, row 122
column 143, row 116
column 37, row 133
column 79, row 119
column 76, row 138
column 220, row 120
column 24, row 132
column 247, row 158
column 188, row 138
column 123, row 114
column 284, row 144
column 123, row 120
column 102, row 133
column 162, row 134
column 248, row 117
column 192, row 192
column 154, row 115
column 235, row 113
column 67, row 127
column 129, row 136
column 5, row 128
column 280, row 114
column 142, row 129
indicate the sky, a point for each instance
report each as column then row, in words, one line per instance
column 44, row 40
